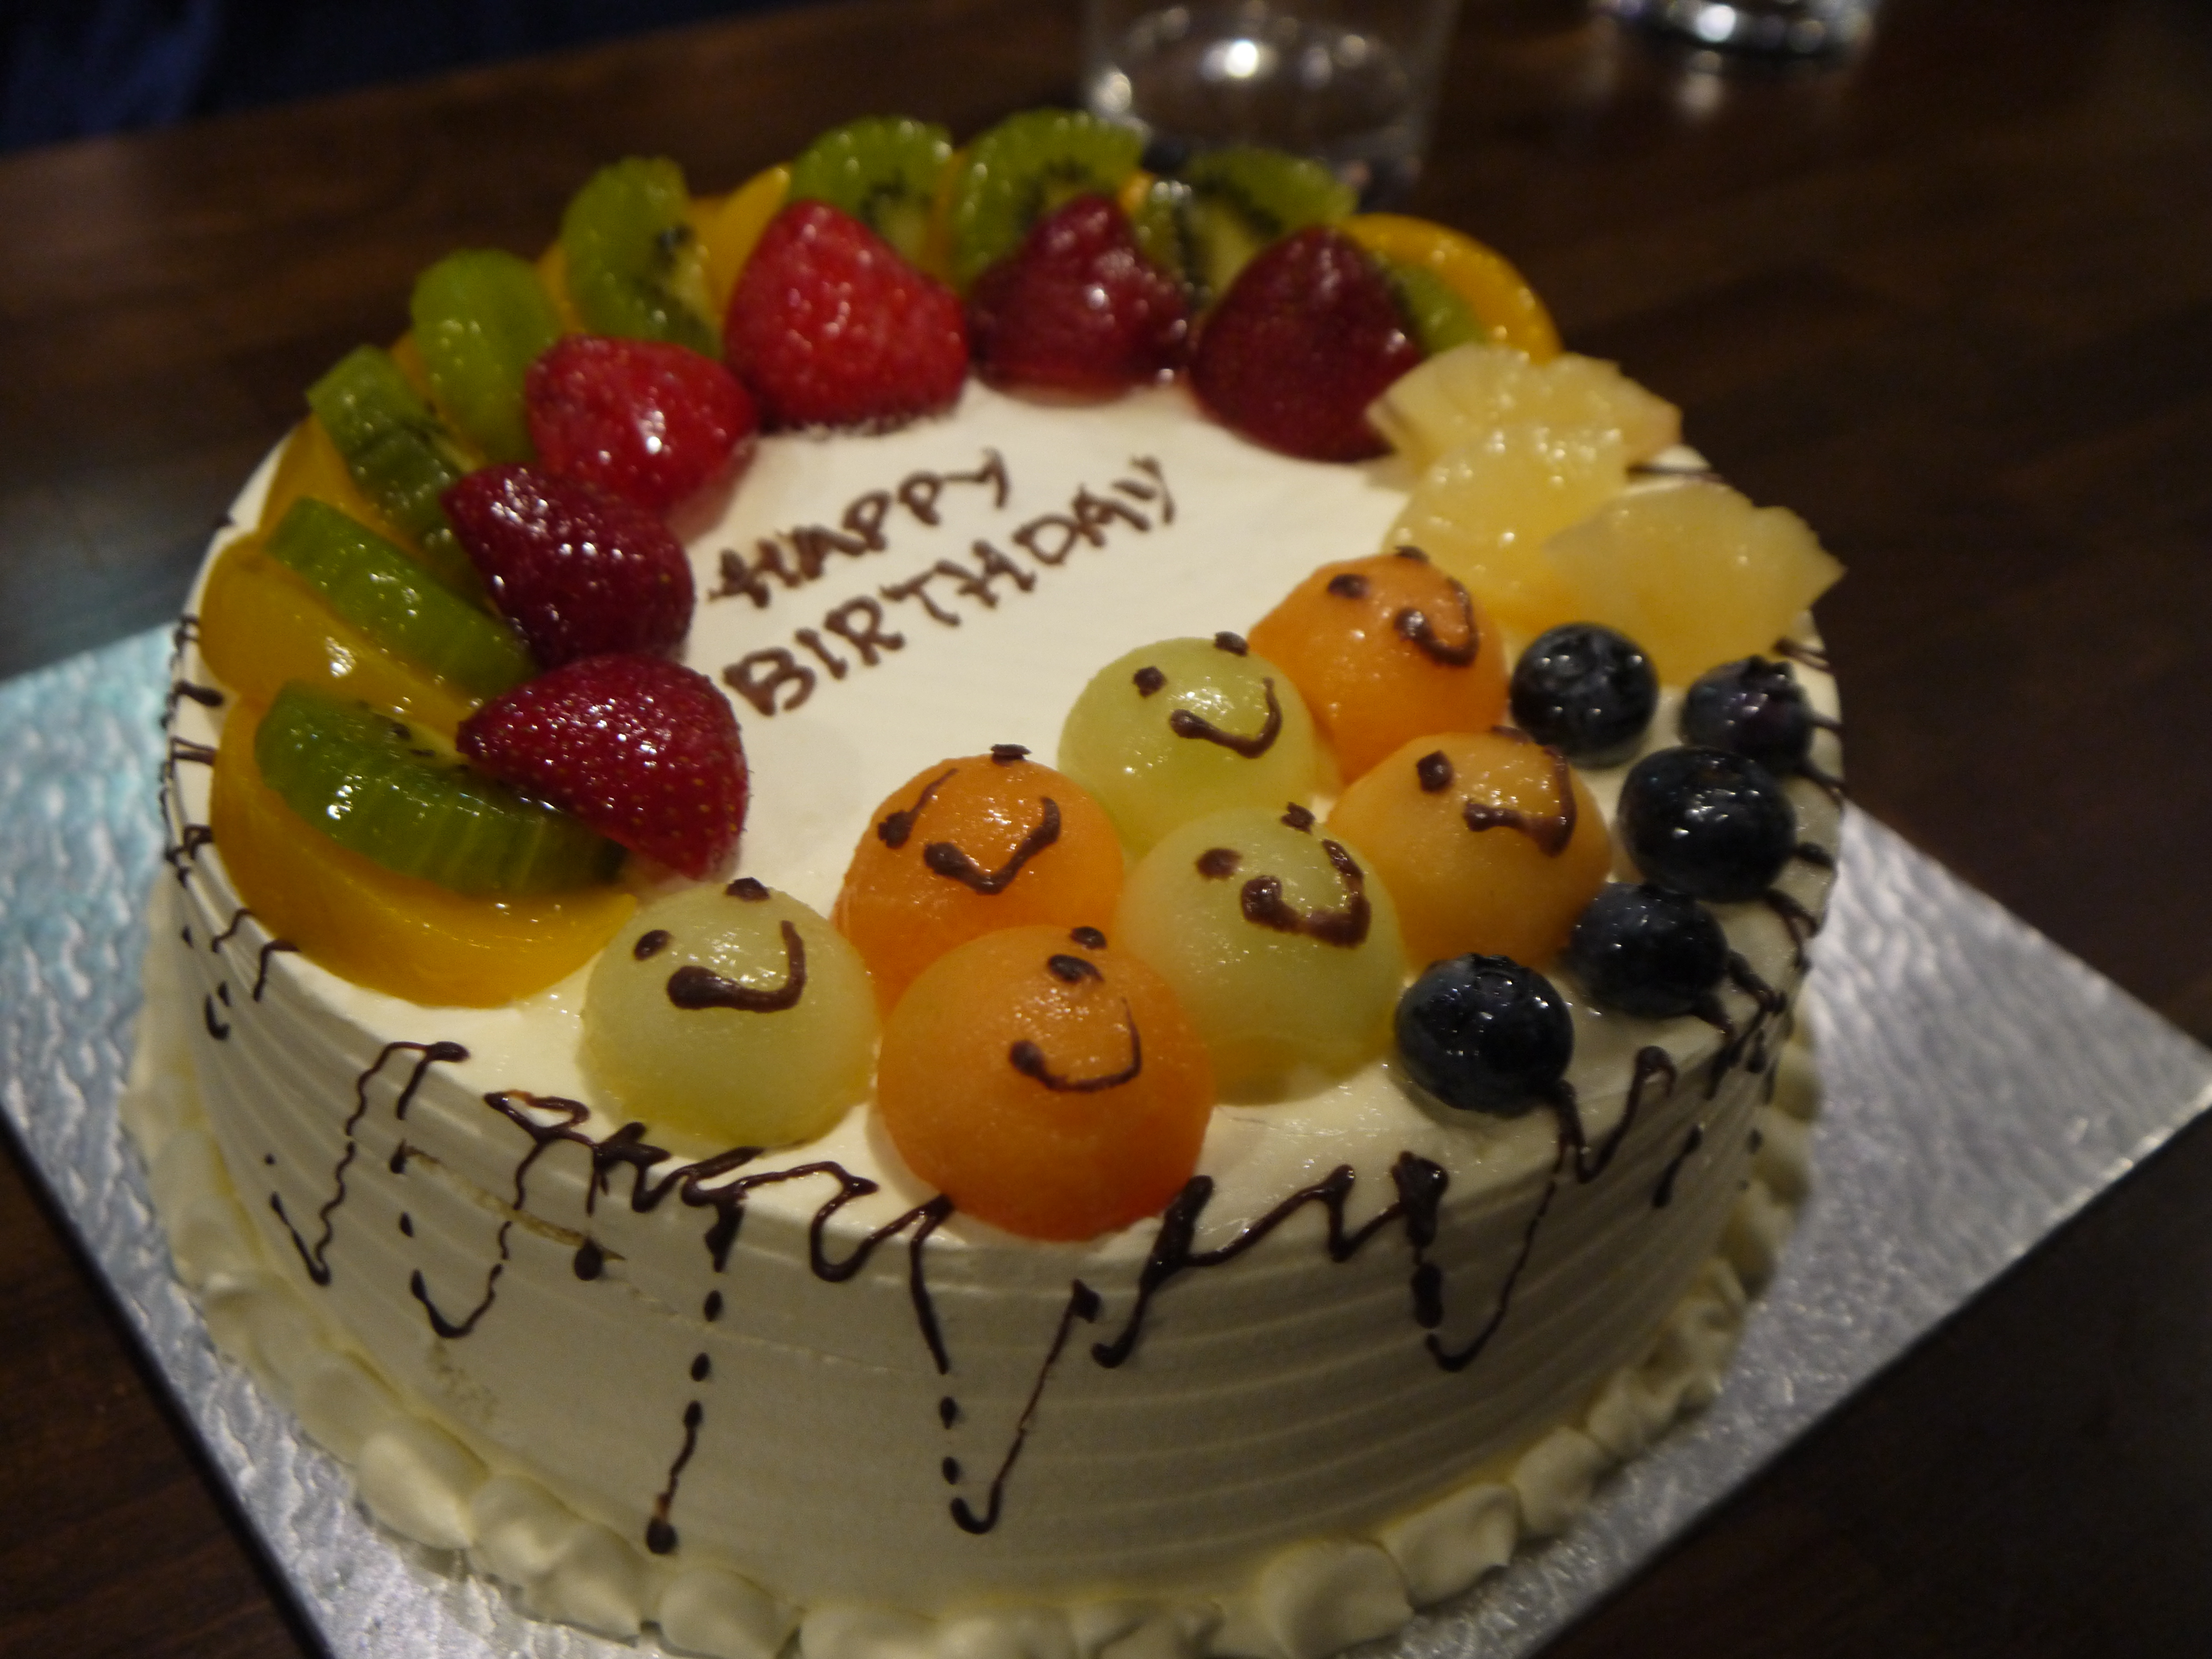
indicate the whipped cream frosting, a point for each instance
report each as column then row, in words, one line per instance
column 801, row 1373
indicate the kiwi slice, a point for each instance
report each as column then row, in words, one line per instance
column 394, row 792
column 883, row 170
column 1244, row 198
column 1021, row 170
column 369, row 582
column 481, row 318
column 398, row 451
column 1437, row 316
column 635, row 267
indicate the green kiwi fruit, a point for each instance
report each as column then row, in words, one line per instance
column 1436, row 316
column 481, row 318
column 1024, row 168
column 398, row 451
column 883, row 170
column 634, row 267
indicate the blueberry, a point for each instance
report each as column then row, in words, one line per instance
column 1707, row 822
column 1485, row 1035
column 1752, row 707
column 1645, row 950
column 1585, row 690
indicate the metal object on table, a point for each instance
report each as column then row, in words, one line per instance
column 1349, row 82
column 1983, row 1085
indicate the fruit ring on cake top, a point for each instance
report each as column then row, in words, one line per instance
column 1491, row 844
column 1046, row 1084
column 969, row 846
column 1384, row 649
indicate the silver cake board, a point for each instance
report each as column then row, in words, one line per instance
column 1982, row 1086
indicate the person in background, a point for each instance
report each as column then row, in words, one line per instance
column 70, row 68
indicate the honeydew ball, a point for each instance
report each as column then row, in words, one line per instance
column 1177, row 730
column 1280, row 943
column 732, row 1015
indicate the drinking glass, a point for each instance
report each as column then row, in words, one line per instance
column 1352, row 83
column 1774, row 28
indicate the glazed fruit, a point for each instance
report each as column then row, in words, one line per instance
column 1022, row 169
column 579, row 572
column 734, row 1016
column 1484, row 510
column 1174, row 730
column 1206, row 225
column 261, row 625
column 1048, row 1085
column 1753, row 707
column 481, row 318
column 731, row 229
column 966, row 847
column 1296, row 351
column 651, row 422
column 828, row 326
column 1494, row 293
column 1077, row 307
column 632, row 266
column 1486, row 1034
column 1459, row 397
column 643, row 750
column 1707, row 822
column 1644, row 950
column 394, row 793
column 1694, row 573
column 1281, row 948
column 1489, row 843
column 1587, row 691
column 372, row 585
column 398, row 451
column 309, row 465
column 1384, row 650
column 397, row 934
column 884, row 170
column 1436, row 317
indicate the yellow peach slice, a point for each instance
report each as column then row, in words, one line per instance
column 729, row 228
column 1494, row 291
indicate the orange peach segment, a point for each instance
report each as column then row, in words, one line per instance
column 1489, row 843
column 969, row 846
column 1494, row 291
column 394, row 933
column 1048, row 1085
column 729, row 228
column 1383, row 649
column 310, row 465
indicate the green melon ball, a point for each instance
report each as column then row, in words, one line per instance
column 1174, row 730
column 1279, row 941
column 736, row 1016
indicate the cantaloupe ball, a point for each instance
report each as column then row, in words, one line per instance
column 1484, row 510
column 969, row 846
column 1383, row 649
column 1459, row 395
column 1694, row 573
column 1174, row 730
column 1490, row 843
column 1281, row 945
column 1048, row 1085
column 735, row 1016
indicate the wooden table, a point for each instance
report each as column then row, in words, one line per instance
column 1952, row 302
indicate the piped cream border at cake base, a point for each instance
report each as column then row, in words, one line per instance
column 1309, row 1601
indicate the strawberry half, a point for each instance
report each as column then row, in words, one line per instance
column 1307, row 336
column 576, row 570
column 828, row 326
column 1077, row 307
column 651, row 422
column 644, row 750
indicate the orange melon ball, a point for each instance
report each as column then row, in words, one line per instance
column 1384, row 650
column 1489, row 841
column 969, row 846
column 1049, row 1085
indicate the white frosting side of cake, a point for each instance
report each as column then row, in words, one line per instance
column 1280, row 1398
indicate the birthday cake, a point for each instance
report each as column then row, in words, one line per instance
column 1174, row 1026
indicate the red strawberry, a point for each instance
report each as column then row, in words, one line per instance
column 1077, row 307
column 645, row 751
column 828, row 326
column 653, row 422
column 576, row 570
column 1307, row 337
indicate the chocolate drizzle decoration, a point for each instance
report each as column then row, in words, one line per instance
column 942, row 858
column 693, row 989
column 1414, row 625
column 1550, row 831
column 1028, row 1059
column 1185, row 724
column 1264, row 905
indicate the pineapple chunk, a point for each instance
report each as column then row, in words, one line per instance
column 1484, row 511
column 1695, row 574
column 1458, row 395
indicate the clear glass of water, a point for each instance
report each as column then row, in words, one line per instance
column 1352, row 83
column 1773, row 28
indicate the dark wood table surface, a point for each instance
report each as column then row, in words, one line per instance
column 1952, row 302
